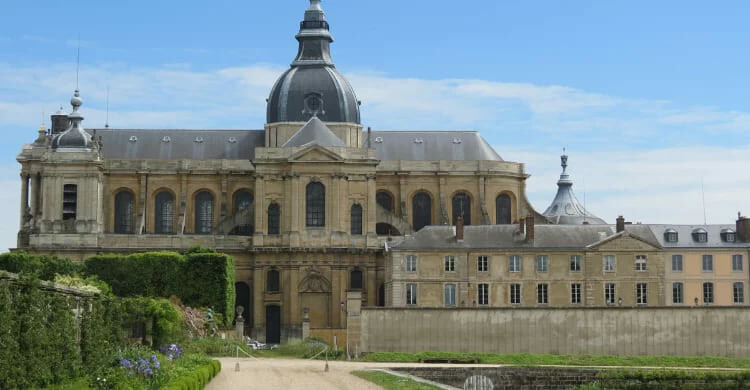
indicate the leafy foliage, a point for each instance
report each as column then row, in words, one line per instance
column 201, row 278
column 42, row 267
column 167, row 320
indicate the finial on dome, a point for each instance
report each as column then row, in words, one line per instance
column 315, row 5
column 564, row 161
column 76, row 101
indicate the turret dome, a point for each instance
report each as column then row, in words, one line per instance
column 313, row 86
column 75, row 137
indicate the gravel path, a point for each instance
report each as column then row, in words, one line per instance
column 289, row 374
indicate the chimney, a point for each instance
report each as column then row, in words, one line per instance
column 521, row 227
column 460, row 228
column 530, row 227
column 620, row 224
column 743, row 228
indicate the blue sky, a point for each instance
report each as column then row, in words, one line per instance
column 650, row 98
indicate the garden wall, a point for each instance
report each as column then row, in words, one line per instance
column 659, row 331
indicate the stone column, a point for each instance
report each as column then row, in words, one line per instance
column 36, row 197
column 371, row 211
column 485, row 217
column 142, row 188
column 444, row 217
column 183, row 203
column 24, row 198
column 306, row 324
column 402, row 198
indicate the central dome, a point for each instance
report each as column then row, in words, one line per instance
column 313, row 86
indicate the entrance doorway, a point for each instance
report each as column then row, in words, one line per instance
column 273, row 324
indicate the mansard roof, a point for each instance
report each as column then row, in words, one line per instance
column 507, row 237
column 685, row 239
column 155, row 144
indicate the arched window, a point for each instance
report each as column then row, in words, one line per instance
column 124, row 212
column 204, row 213
column 502, row 209
column 316, row 204
column 421, row 210
column 462, row 206
column 243, row 201
column 164, row 213
column 274, row 219
column 356, row 220
column 355, row 282
column 272, row 281
column 385, row 200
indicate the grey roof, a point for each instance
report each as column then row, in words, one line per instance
column 432, row 146
column 314, row 132
column 685, row 237
column 313, row 76
column 565, row 208
column 500, row 237
column 180, row 144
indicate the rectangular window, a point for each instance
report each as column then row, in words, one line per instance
column 411, row 294
column 609, row 263
column 677, row 292
column 739, row 292
column 450, row 295
column 70, row 201
column 736, row 262
column 483, row 264
column 411, row 263
column 542, row 296
column 483, row 293
column 641, row 293
column 640, row 263
column 609, row 293
column 708, row 293
column 708, row 263
column 515, row 294
column 514, row 263
column 450, row 263
column 677, row 263
column 575, row 263
column 575, row 293
column 542, row 263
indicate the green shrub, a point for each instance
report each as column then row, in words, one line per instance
column 208, row 281
column 42, row 267
column 201, row 278
column 167, row 320
column 673, row 379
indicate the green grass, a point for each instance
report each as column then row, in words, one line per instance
column 392, row 382
column 567, row 360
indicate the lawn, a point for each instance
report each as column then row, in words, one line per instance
column 392, row 382
column 567, row 360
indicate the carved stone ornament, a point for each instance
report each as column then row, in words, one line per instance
column 314, row 282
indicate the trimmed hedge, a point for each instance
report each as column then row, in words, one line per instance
column 201, row 278
column 168, row 321
column 42, row 267
column 197, row 379
column 673, row 379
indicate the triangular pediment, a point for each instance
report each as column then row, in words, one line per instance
column 624, row 242
column 315, row 153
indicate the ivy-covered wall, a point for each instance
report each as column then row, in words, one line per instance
column 39, row 333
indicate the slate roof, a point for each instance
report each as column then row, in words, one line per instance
column 685, row 236
column 432, row 146
column 217, row 144
column 500, row 237
column 314, row 132
column 180, row 144
column 565, row 209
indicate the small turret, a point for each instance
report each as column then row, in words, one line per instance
column 60, row 121
column 74, row 137
column 565, row 209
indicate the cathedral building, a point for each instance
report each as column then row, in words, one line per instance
column 319, row 211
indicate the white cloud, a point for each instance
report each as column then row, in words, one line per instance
column 641, row 158
column 649, row 186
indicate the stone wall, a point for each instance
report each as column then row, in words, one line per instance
column 675, row 331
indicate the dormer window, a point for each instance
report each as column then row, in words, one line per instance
column 670, row 235
column 728, row 235
column 700, row 235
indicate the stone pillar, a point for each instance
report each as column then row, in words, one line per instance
column 485, row 217
column 371, row 210
column 142, row 189
column 444, row 218
column 260, row 204
column 306, row 324
column 183, row 203
column 224, row 199
column 24, row 198
column 353, row 322
column 402, row 198
column 297, row 206
column 35, row 197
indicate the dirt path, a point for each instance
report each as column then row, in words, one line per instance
column 289, row 374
